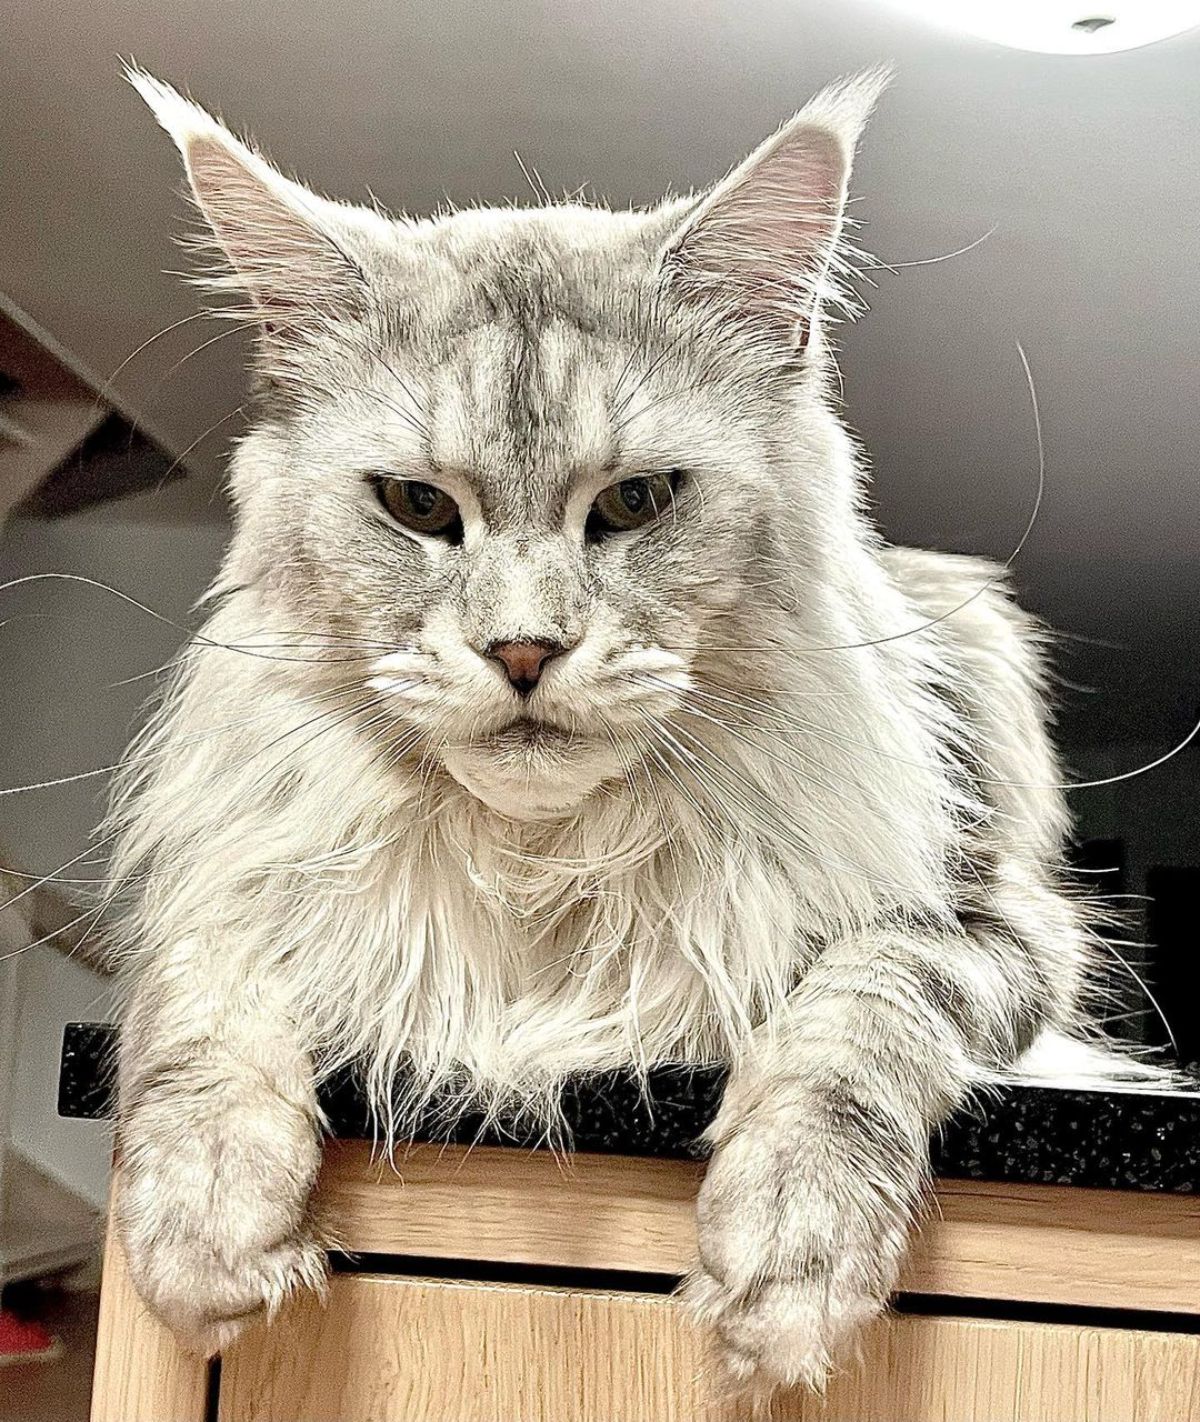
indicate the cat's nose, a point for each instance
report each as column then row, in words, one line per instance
column 523, row 661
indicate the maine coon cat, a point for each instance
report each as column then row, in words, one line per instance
column 559, row 709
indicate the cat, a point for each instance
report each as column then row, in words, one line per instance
column 560, row 709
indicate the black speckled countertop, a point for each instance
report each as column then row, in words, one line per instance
column 1030, row 1134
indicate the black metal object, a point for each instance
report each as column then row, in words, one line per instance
column 1174, row 965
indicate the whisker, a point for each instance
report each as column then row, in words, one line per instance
column 192, row 634
column 760, row 806
column 51, row 877
column 881, row 265
column 195, row 351
column 182, row 456
column 1004, row 567
column 802, row 727
column 140, row 758
column 806, row 765
column 93, row 914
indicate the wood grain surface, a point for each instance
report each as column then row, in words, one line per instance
column 389, row 1349
column 142, row 1374
column 1035, row 1243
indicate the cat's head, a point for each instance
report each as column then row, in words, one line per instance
column 549, row 470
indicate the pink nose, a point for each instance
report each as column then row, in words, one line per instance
column 523, row 661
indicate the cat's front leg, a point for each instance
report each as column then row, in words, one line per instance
column 218, row 1149
column 802, row 1222
column 821, row 1146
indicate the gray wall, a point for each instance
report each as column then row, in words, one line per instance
column 65, row 651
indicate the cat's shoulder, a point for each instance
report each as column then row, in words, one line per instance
column 970, row 602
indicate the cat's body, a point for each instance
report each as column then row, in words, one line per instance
column 772, row 794
column 660, row 926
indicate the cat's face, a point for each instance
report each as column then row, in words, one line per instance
column 540, row 468
column 560, row 471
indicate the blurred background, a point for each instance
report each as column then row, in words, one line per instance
column 1005, row 195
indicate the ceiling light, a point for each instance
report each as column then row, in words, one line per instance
column 1055, row 27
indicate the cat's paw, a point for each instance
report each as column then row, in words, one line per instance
column 215, row 1222
column 208, row 1299
column 782, row 1332
column 798, row 1249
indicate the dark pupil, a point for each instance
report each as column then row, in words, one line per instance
column 634, row 495
column 423, row 499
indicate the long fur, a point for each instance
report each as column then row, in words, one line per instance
column 795, row 811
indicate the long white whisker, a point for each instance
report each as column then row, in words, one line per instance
column 193, row 635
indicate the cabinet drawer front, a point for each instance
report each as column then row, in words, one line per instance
column 388, row 1349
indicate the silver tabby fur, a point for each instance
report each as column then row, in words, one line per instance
column 787, row 804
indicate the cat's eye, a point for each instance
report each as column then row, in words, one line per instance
column 633, row 503
column 421, row 507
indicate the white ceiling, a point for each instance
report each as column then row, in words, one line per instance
column 1086, row 169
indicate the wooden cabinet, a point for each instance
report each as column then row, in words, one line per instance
column 394, row 1345
column 389, row 1349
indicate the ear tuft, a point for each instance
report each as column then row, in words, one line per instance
column 844, row 107
column 288, row 248
column 182, row 119
column 758, row 248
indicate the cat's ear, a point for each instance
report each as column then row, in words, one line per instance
column 757, row 249
column 289, row 250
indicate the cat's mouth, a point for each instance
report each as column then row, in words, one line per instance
column 531, row 768
column 525, row 734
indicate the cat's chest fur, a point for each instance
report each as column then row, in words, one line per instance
column 404, row 924
column 514, row 953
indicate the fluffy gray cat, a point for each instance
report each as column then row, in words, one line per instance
column 559, row 709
